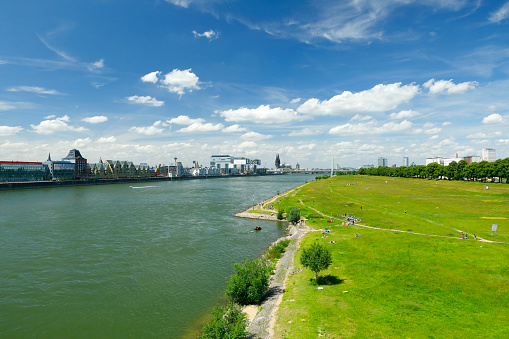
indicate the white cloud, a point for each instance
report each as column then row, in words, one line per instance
column 106, row 140
column 377, row 99
column 179, row 82
column 181, row 3
column 481, row 135
column 446, row 123
column 99, row 63
column 371, row 127
column 494, row 119
column 255, row 136
column 34, row 89
column 95, row 120
column 81, row 142
column 150, row 130
column 503, row 142
column 404, row 115
column 152, row 77
column 248, row 145
column 500, row 14
column 8, row 130
column 201, row 127
column 263, row 114
column 295, row 101
column 184, row 120
column 234, row 128
column 146, row 100
column 448, row 87
column 51, row 126
column 211, row 35
column 360, row 117
column 6, row 105
column 304, row 132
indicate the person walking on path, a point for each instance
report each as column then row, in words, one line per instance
column 462, row 235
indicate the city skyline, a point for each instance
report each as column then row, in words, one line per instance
column 356, row 80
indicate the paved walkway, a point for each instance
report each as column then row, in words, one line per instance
column 263, row 323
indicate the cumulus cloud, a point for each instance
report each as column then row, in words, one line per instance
column 81, row 142
column 501, row 14
column 181, row 3
column 149, row 130
column 145, row 100
column 295, row 101
column 95, row 120
column 211, row 35
column 503, row 142
column 371, row 127
column 404, row 115
column 8, row 130
column 377, row 99
column 57, row 124
column 263, row 115
column 106, row 140
column 448, row 87
column 177, row 81
column 494, row 119
column 34, row 89
column 201, row 127
column 255, row 136
column 234, row 128
column 184, row 120
column 304, row 132
column 248, row 145
column 446, row 123
column 152, row 77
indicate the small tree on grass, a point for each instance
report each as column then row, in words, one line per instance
column 227, row 322
column 293, row 215
column 316, row 258
column 249, row 282
column 280, row 214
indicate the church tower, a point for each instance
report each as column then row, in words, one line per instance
column 278, row 162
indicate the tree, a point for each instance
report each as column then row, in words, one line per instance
column 316, row 258
column 280, row 214
column 249, row 282
column 293, row 215
column 227, row 322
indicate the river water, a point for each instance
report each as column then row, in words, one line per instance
column 118, row 262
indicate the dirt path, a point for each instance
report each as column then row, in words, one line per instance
column 401, row 231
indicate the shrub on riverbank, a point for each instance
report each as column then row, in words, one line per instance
column 249, row 282
column 276, row 251
column 293, row 215
column 227, row 322
column 280, row 214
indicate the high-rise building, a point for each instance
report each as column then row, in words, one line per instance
column 488, row 154
column 405, row 161
column 382, row 162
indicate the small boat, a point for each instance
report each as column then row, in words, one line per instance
column 258, row 228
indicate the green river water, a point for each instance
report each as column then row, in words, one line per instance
column 118, row 262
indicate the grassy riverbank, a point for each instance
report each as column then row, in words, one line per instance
column 396, row 283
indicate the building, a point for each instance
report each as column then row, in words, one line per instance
column 367, row 166
column 382, row 162
column 222, row 162
column 277, row 163
column 60, row 170
column 12, row 171
column 405, row 161
column 297, row 167
column 80, row 163
column 488, row 154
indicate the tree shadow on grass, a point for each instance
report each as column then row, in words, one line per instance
column 328, row 280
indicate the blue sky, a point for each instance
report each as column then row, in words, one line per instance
column 150, row 80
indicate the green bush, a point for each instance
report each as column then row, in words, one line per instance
column 280, row 214
column 277, row 250
column 227, row 322
column 249, row 282
column 316, row 258
column 293, row 215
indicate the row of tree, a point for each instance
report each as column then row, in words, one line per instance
column 461, row 170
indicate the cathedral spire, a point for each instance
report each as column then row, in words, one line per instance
column 49, row 157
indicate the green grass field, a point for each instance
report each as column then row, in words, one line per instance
column 428, row 285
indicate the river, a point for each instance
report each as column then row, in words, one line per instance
column 116, row 262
